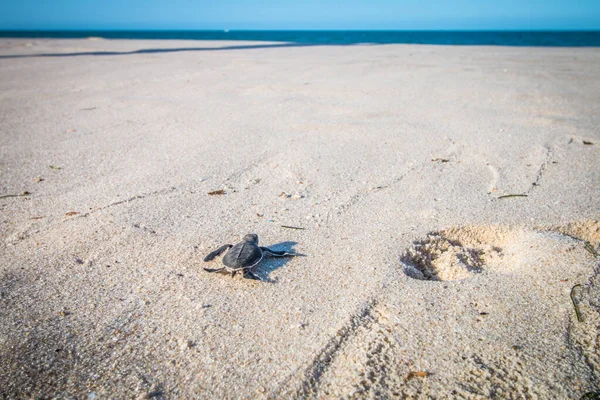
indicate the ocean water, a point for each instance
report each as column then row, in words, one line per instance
column 493, row 38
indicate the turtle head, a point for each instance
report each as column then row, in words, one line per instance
column 251, row 237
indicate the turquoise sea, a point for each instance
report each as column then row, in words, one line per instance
column 498, row 38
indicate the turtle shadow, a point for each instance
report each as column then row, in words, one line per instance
column 270, row 263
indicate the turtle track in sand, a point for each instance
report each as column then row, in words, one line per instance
column 366, row 347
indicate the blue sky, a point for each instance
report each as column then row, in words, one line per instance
column 300, row 14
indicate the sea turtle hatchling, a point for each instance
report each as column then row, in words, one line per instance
column 244, row 256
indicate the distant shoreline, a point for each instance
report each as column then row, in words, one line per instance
column 494, row 38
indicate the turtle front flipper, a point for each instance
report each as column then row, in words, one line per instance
column 274, row 253
column 211, row 256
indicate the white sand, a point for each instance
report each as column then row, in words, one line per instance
column 378, row 148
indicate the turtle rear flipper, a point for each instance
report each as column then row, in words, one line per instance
column 214, row 270
column 251, row 275
column 211, row 256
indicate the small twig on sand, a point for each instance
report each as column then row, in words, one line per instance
column 420, row 374
column 292, row 227
column 590, row 248
column 15, row 195
column 577, row 312
column 511, row 195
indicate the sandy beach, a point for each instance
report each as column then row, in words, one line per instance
column 425, row 276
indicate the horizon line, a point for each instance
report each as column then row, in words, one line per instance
column 286, row 30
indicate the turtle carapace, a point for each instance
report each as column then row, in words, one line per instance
column 244, row 256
